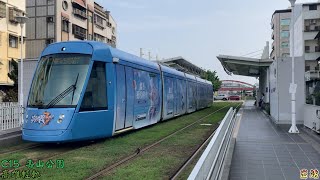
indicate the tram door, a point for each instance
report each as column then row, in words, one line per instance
column 120, row 97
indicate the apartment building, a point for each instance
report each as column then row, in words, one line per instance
column 65, row 20
column 307, row 26
column 10, row 32
column 280, row 24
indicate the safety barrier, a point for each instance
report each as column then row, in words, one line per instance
column 10, row 115
column 209, row 166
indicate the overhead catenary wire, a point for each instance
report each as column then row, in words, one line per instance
column 256, row 55
column 252, row 52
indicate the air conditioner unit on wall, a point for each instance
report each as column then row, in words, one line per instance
column 49, row 41
column 50, row 19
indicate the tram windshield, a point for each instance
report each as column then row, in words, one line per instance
column 59, row 80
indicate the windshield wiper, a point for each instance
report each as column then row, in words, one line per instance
column 62, row 95
column 75, row 85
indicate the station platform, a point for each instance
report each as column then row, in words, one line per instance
column 267, row 151
column 10, row 137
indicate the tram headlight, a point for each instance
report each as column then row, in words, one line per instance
column 61, row 117
column 26, row 120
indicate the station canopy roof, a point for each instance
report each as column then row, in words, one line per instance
column 181, row 64
column 243, row 65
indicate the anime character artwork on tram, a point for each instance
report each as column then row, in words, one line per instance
column 85, row 90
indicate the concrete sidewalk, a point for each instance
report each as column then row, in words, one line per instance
column 10, row 137
column 266, row 151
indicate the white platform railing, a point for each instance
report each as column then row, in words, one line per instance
column 10, row 115
column 209, row 166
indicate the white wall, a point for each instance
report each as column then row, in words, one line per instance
column 280, row 101
column 29, row 67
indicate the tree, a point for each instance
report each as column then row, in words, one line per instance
column 11, row 94
column 213, row 78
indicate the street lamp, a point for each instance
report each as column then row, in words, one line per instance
column 21, row 20
column 293, row 86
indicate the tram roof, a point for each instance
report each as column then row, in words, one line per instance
column 99, row 51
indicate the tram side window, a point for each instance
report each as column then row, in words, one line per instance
column 95, row 97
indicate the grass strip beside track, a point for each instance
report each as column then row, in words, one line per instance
column 85, row 161
column 162, row 161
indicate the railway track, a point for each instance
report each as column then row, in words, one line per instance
column 64, row 150
column 15, row 150
column 194, row 154
column 142, row 150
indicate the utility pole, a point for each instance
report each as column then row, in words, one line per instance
column 141, row 53
column 293, row 86
column 149, row 55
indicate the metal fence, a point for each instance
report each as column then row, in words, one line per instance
column 209, row 166
column 10, row 115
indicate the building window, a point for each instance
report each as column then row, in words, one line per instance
column 317, row 49
column 285, row 45
column 79, row 32
column 285, row 55
column 113, row 30
column 307, row 49
column 284, row 34
column 65, row 5
column 313, row 7
column 80, row 12
column 98, row 37
column 285, row 22
column 3, row 10
column 307, row 68
column 99, row 21
column 90, row 37
column 13, row 41
column 65, row 25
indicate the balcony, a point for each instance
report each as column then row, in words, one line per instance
column 312, row 75
column 311, row 28
column 311, row 55
column 310, row 35
column 80, row 13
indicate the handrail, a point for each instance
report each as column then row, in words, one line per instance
column 209, row 165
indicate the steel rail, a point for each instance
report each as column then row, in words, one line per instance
column 140, row 151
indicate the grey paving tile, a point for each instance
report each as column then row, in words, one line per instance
column 273, row 171
column 270, row 162
column 292, row 177
column 259, row 148
column 238, row 178
column 255, row 176
column 276, row 177
column 271, row 166
column 238, row 175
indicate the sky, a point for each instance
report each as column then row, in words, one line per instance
column 196, row 30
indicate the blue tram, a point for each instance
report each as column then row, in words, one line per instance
column 85, row 90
